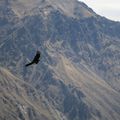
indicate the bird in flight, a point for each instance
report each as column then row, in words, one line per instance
column 35, row 60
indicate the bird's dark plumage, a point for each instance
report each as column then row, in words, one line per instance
column 35, row 60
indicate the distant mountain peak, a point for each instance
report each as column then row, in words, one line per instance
column 71, row 8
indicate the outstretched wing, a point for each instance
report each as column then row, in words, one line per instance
column 37, row 56
column 29, row 64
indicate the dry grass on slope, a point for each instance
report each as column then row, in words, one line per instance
column 99, row 95
column 20, row 100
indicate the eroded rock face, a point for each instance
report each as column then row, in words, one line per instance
column 79, row 68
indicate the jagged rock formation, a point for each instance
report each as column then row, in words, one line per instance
column 79, row 72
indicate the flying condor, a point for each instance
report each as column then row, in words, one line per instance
column 35, row 60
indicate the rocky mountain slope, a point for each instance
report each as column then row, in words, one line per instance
column 29, row 7
column 79, row 72
column 20, row 101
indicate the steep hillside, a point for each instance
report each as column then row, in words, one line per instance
column 84, row 94
column 20, row 101
column 79, row 71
